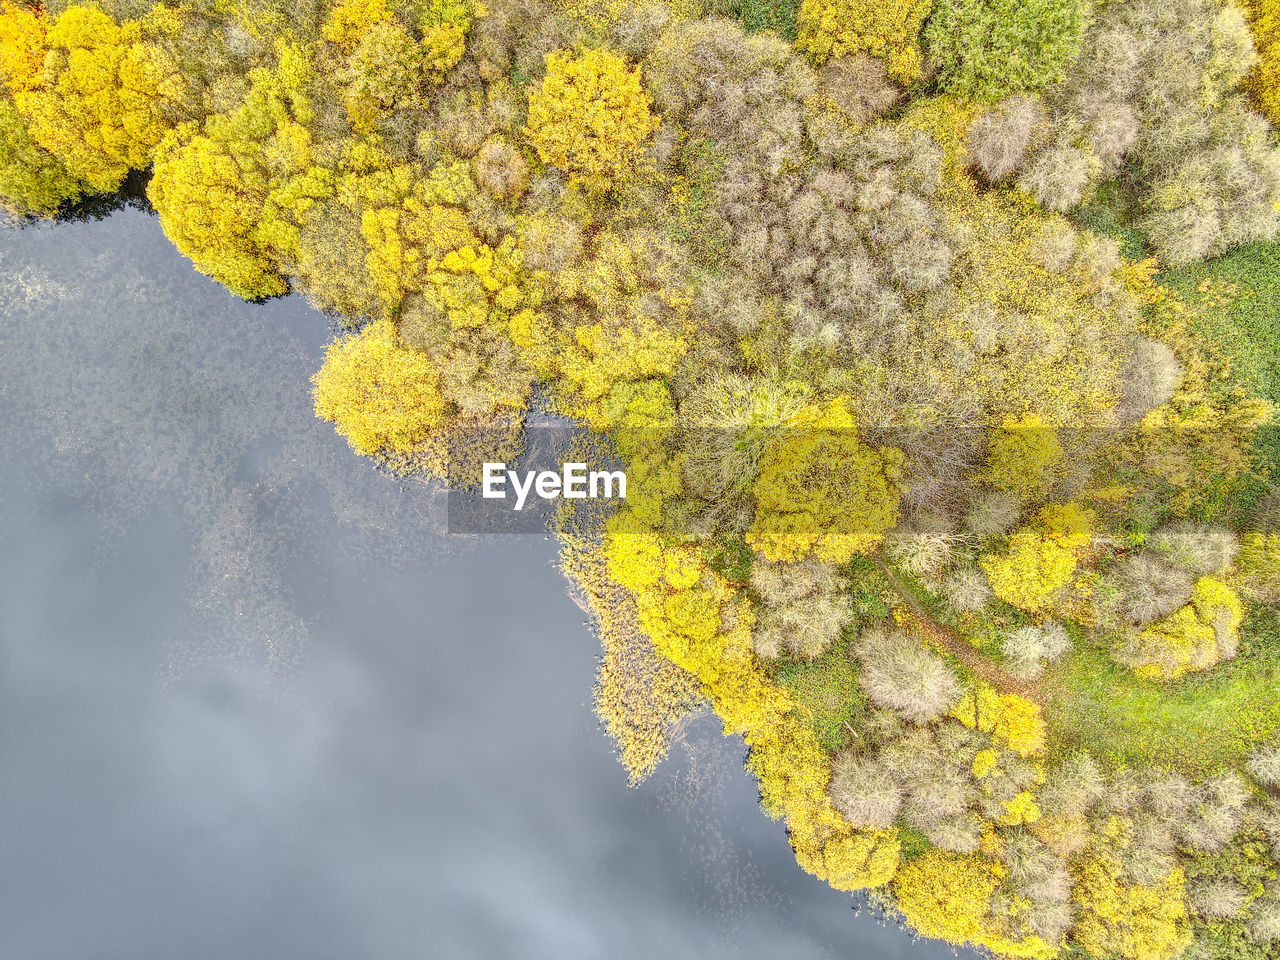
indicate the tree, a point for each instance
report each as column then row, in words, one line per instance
column 890, row 32
column 23, row 45
column 1194, row 637
column 899, row 673
column 1031, row 571
column 1121, row 918
column 822, row 491
column 229, row 192
column 100, row 104
column 32, row 180
column 949, row 895
column 383, row 397
column 590, row 116
column 986, row 49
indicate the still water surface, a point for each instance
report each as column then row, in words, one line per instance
column 254, row 705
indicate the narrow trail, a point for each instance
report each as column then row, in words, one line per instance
column 959, row 648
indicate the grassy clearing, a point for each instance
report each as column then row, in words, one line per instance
column 1199, row 723
column 1238, row 301
column 828, row 688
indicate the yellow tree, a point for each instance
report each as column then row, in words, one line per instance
column 101, row 100
column 383, row 397
column 32, row 180
column 229, row 192
column 822, row 491
column 590, row 116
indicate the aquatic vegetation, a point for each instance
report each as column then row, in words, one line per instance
column 949, row 502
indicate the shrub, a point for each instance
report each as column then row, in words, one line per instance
column 1199, row 547
column 381, row 396
column 921, row 554
column 1264, row 922
column 900, row 674
column 987, row 49
column 1217, row 815
column 998, row 140
column 591, row 117
column 1193, row 637
column 966, row 590
column 841, row 28
column 1073, row 785
column 1264, row 764
column 962, row 834
column 1031, row 572
column 782, row 583
column 864, row 792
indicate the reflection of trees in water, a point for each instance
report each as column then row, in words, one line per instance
column 139, row 386
column 700, row 778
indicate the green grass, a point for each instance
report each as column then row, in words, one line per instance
column 1247, row 328
column 1199, row 723
column 1107, row 214
column 758, row 15
column 828, row 689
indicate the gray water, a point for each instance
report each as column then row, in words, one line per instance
column 254, row 704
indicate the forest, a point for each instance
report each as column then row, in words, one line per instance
column 940, row 340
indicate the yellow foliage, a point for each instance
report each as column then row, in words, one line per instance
column 602, row 356
column 639, row 693
column 1068, row 525
column 696, row 619
column 1031, row 571
column 1013, row 720
column 381, row 396
column 98, row 107
column 1193, row 637
column 822, row 491
column 22, row 46
column 445, row 25
column 590, row 116
column 948, row 895
column 1258, row 566
column 229, row 193
column 1264, row 80
column 983, row 763
column 1022, row 809
column 1123, row 919
column 1022, row 455
column 350, row 20
column 32, row 180
column 888, row 31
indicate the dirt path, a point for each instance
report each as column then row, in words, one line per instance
column 981, row 665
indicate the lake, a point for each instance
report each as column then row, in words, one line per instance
column 254, row 703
